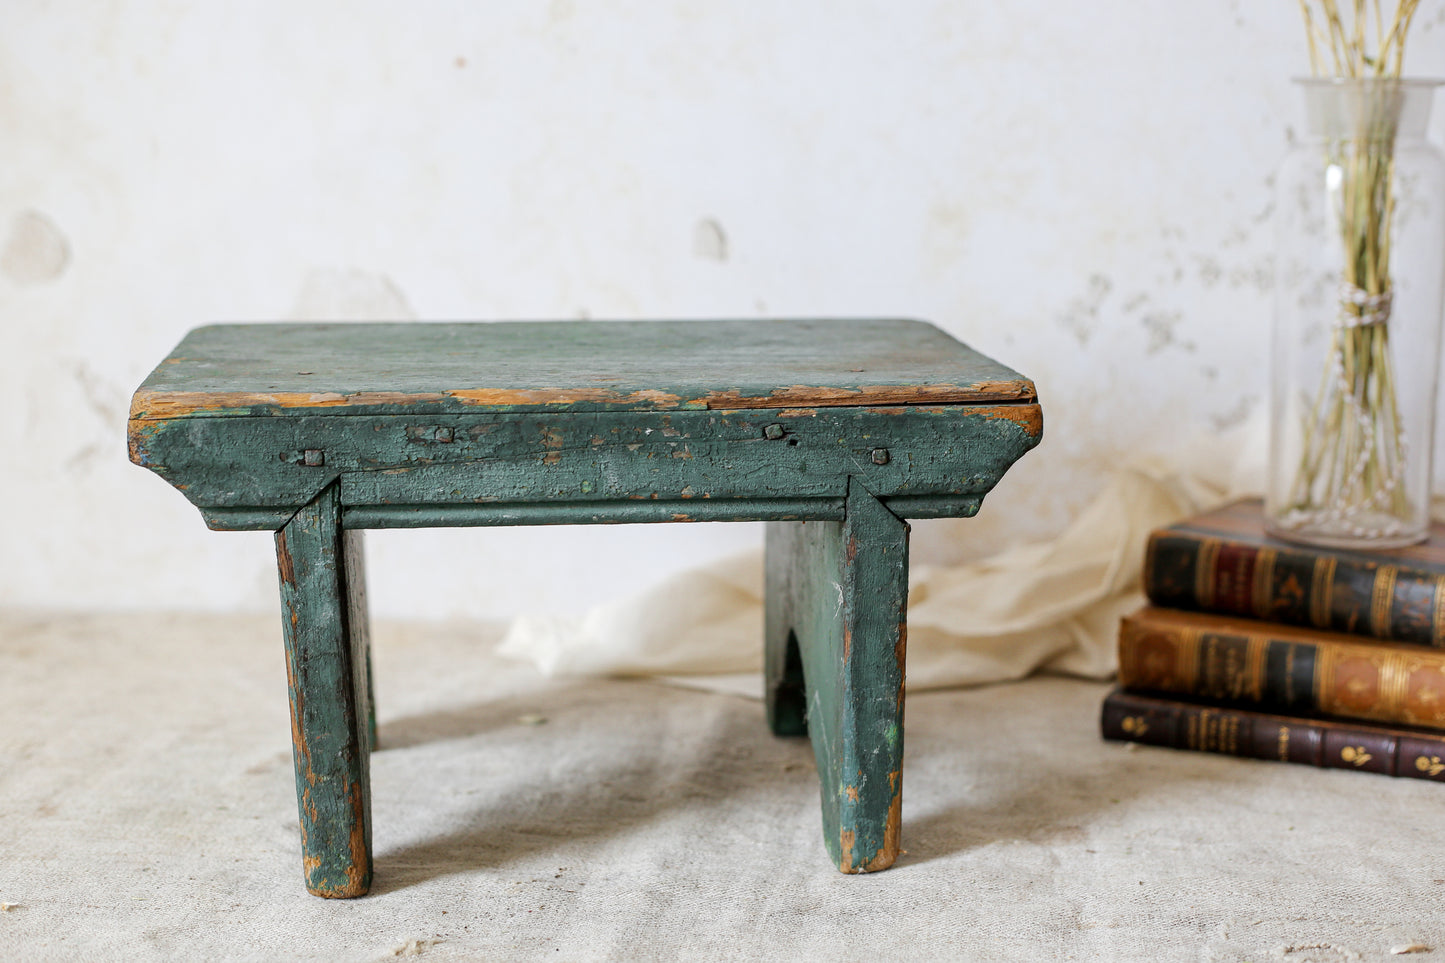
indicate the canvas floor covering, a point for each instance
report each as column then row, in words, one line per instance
column 147, row 811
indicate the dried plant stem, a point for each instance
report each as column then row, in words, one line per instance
column 1349, row 47
column 1351, row 471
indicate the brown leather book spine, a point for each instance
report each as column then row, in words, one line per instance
column 1177, row 724
column 1246, row 574
column 1282, row 668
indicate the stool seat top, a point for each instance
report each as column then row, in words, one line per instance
column 229, row 370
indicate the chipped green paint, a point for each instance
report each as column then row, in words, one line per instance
column 253, row 464
column 838, row 590
column 833, row 432
column 326, row 667
column 349, row 369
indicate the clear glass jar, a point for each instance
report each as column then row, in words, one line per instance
column 1359, row 277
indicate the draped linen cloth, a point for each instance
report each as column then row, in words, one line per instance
column 1053, row 605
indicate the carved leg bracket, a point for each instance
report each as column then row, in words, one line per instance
column 836, row 632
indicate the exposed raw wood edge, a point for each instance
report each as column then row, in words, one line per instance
column 802, row 396
column 887, row 855
column 165, row 405
column 1029, row 417
column 135, row 440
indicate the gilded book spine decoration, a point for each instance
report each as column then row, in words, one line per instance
column 1131, row 717
column 1211, row 657
column 1338, row 592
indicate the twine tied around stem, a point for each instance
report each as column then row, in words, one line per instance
column 1359, row 308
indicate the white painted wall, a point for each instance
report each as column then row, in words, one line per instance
column 1081, row 190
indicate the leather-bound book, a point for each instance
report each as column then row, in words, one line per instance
column 1281, row 668
column 1223, row 562
column 1179, row 724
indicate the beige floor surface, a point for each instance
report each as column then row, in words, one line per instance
column 147, row 812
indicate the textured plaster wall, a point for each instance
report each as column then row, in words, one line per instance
column 1082, row 190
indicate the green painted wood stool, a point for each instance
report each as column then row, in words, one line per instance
column 834, row 432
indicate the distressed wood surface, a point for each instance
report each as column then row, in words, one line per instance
column 838, row 592
column 260, row 462
column 324, row 625
column 227, row 370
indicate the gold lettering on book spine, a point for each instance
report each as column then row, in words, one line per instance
column 1284, row 743
column 1212, row 731
column 1204, row 572
column 1322, row 590
column 1380, row 601
column 1263, row 581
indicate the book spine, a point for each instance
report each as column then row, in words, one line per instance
column 1367, row 680
column 1331, row 591
column 1257, row 735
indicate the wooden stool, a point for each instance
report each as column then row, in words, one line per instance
column 834, row 432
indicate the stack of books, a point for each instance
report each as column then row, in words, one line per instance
column 1266, row 649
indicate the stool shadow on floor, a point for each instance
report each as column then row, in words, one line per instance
column 612, row 758
column 574, row 768
column 619, row 757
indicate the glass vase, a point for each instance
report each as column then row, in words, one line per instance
column 1359, row 274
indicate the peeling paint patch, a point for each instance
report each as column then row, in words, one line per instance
column 1210, row 273
column 1161, row 326
column 1258, row 276
column 709, row 241
column 1235, row 415
column 872, row 395
column 35, row 251
column 1029, row 417
column 1081, row 317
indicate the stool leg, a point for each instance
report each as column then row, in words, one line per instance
column 353, row 549
column 784, row 690
column 327, row 672
column 841, row 592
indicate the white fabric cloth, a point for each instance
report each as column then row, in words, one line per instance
column 1054, row 605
